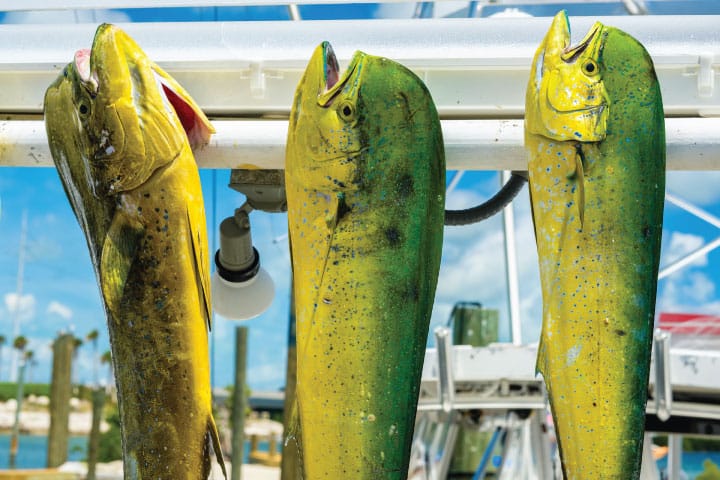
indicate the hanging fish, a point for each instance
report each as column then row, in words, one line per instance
column 595, row 137
column 120, row 132
column 365, row 180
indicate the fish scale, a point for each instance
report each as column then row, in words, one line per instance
column 595, row 141
column 365, row 181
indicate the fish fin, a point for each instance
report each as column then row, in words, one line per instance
column 580, row 179
column 294, row 436
column 198, row 240
column 541, row 362
column 213, row 438
column 338, row 210
column 118, row 253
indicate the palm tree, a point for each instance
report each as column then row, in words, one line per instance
column 30, row 359
column 3, row 341
column 20, row 343
column 106, row 358
column 92, row 336
column 77, row 343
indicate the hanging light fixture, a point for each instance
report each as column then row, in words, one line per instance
column 241, row 288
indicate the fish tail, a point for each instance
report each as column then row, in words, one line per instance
column 212, row 437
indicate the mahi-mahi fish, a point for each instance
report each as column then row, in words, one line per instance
column 365, row 180
column 596, row 143
column 120, row 131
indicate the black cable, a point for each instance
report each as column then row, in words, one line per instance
column 491, row 207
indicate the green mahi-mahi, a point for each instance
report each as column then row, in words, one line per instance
column 596, row 144
column 365, row 180
column 120, row 131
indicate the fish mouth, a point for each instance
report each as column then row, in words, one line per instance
column 332, row 82
column 82, row 66
column 571, row 54
column 557, row 41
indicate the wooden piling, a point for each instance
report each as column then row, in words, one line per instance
column 239, row 403
column 290, row 468
column 98, row 402
column 60, row 391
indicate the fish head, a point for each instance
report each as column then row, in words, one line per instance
column 349, row 130
column 566, row 96
column 324, row 132
column 129, row 117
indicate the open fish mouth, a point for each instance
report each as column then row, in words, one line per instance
column 571, row 54
column 82, row 66
column 332, row 82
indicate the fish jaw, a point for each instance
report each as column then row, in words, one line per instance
column 566, row 99
column 138, row 113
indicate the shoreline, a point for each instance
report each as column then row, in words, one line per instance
column 35, row 417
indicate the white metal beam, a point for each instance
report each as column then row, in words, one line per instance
column 474, row 68
column 693, row 144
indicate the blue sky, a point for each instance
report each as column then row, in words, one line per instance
column 60, row 292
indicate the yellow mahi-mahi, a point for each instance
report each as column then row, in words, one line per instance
column 365, row 180
column 120, row 131
column 596, row 144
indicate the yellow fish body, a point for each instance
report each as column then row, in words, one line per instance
column 595, row 140
column 365, row 180
column 116, row 126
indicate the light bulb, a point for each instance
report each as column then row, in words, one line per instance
column 242, row 300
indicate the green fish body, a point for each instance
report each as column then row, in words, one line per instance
column 365, row 180
column 596, row 146
column 116, row 126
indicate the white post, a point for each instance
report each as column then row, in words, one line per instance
column 511, row 267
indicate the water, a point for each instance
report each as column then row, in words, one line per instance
column 32, row 450
column 692, row 462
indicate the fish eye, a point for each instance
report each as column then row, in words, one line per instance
column 590, row 68
column 83, row 109
column 346, row 110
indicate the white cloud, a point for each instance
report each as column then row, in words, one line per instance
column 267, row 376
column 473, row 268
column 681, row 244
column 23, row 306
column 688, row 292
column 58, row 308
column 697, row 187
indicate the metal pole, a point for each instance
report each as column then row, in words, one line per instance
column 18, row 408
column 239, row 403
column 14, row 357
column 674, row 465
column 511, row 267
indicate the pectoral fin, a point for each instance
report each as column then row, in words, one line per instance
column 198, row 241
column 118, row 254
column 292, row 444
column 580, row 180
column 213, row 438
